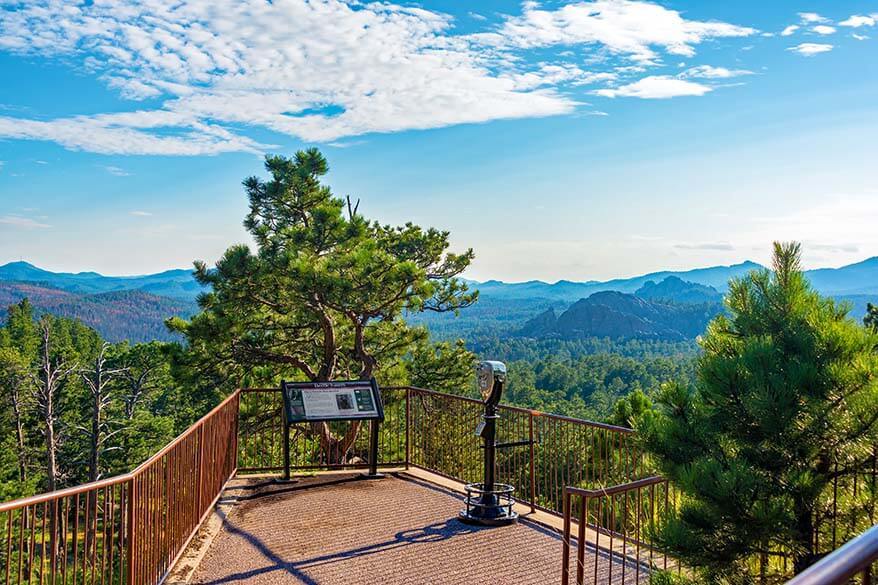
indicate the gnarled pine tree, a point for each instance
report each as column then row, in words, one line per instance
column 785, row 405
column 324, row 294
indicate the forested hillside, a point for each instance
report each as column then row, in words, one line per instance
column 131, row 315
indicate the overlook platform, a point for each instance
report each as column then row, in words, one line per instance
column 338, row 528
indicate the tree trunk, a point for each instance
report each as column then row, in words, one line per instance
column 19, row 436
column 94, row 440
column 804, row 552
column 335, row 450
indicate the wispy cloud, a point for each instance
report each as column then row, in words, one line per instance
column 718, row 246
column 788, row 31
column 22, row 222
column 214, row 78
column 710, row 72
column 811, row 49
column 140, row 213
column 117, row 171
column 656, row 87
column 347, row 144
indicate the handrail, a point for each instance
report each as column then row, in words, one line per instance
column 855, row 556
column 519, row 409
column 616, row 489
column 116, row 479
column 625, row 513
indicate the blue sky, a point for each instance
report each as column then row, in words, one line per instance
column 572, row 140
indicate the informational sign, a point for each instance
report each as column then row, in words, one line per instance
column 324, row 401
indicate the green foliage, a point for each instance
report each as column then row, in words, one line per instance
column 443, row 367
column 141, row 406
column 324, row 295
column 785, row 404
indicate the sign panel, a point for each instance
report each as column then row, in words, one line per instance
column 323, row 401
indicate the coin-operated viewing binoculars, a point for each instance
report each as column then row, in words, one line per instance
column 489, row 503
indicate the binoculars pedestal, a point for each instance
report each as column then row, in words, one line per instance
column 489, row 508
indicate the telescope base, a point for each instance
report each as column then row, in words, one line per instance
column 488, row 507
column 504, row 520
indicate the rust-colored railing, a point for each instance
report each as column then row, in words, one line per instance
column 128, row 529
column 858, row 557
column 131, row 529
column 552, row 451
column 435, row 432
column 612, row 527
column 261, row 432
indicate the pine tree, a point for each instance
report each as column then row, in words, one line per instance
column 323, row 296
column 785, row 403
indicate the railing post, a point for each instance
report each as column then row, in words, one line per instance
column 408, row 427
column 533, row 479
column 199, row 471
column 565, row 541
column 235, row 431
column 130, row 532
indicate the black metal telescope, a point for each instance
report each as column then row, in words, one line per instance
column 489, row 503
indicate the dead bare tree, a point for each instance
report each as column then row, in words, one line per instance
column 48, row 380
column 97, row 378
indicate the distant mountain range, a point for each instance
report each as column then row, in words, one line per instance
column 623, row 316
column 134, row 307
column 855, row 279
column 176, row 284
column 118, row 315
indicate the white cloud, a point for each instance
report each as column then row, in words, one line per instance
column 858, row 20
column 811, row 49
column 656, row 87
column 705, row 246
column 22, row 222
column 822, row 29
column 860, row 37
column 317, row 70
column 322, row 70
column 140, row 213
column 789, row 30
column 625, row 27
column 710, row 72
column 117, row 171
column 812, row 17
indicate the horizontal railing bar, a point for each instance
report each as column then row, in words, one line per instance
column 63, row 493
column 616, row 489
column 200, row 422
column 519, row 409
column 843, row 563
column 115, row 480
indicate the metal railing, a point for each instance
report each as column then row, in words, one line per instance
column 128, row 529
column 858, row 557
column 549, row 451
column 131, row 529
column 612, row 531
column 435, row 432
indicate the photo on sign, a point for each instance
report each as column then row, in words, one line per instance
column 344, row 401
column 297, row 404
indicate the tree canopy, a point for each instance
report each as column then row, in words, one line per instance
column 325, row 293
column 784, row 409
